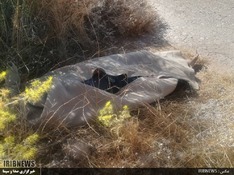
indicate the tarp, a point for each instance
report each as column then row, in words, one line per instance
column 80, row 91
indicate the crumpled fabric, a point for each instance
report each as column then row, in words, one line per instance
column 73, row 101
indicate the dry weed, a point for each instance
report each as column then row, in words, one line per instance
column 123, row 18
column 183, row 132
column 188, row 131
column 42, row 35
column 213, row 142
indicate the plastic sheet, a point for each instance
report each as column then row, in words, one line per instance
column 80, row 91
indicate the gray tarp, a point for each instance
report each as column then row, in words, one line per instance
column 70, row 102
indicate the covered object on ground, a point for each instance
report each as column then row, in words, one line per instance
column 80, row 91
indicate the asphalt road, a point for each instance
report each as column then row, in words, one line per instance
column 203, row 25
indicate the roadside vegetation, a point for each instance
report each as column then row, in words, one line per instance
column 194, row 129
column 41, row 35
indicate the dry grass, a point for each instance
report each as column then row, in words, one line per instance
column 42, row 35
column 214, row 116
column 122, row 18
column 187, row 131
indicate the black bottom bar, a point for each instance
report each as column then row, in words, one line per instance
column 137, row 171
column 117, row 171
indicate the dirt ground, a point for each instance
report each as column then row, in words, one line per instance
column 204, row 27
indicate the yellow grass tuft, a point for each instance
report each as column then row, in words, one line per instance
column 37, row 90
column 16, row 142
column 108, row 118
column 3, row 75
